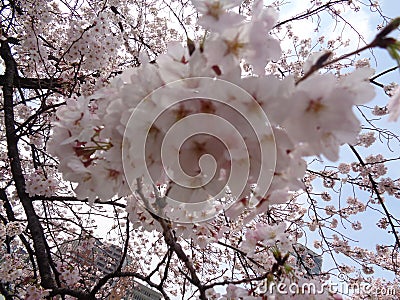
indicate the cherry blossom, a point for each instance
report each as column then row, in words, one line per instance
column 215, row 15
column 192, row 147
column 394, row 105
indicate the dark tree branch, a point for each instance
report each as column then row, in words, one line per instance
column 74, row 199
column 36, row 230
column 310, row 12
column 378, row 196
column 170, row 240
column 125, row 251
column 33, row 83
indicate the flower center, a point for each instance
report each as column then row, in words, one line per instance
column 315, row 106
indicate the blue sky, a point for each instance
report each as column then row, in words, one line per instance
column 371, row 235
column 365, row 22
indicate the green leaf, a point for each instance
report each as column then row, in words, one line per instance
column 394, row 51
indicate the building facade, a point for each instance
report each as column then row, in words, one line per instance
column 104, row 258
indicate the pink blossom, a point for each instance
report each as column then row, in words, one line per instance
column 394, row 106
column 215, row 15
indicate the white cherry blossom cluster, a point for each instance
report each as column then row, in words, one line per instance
column 268, row 236
column 344, row 168
column 14, row 228
column 389, row 186
column 366, row 139
column 394, row 105
column 10, row 269
column 69, row 274
column 391, row 88
column 95, row 42
column 38, row 184
column 35, row 293
column 380, row 111
column 107, row 140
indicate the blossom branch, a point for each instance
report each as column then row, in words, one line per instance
column 380, row 41
column 378, row 195
column 174, row 245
